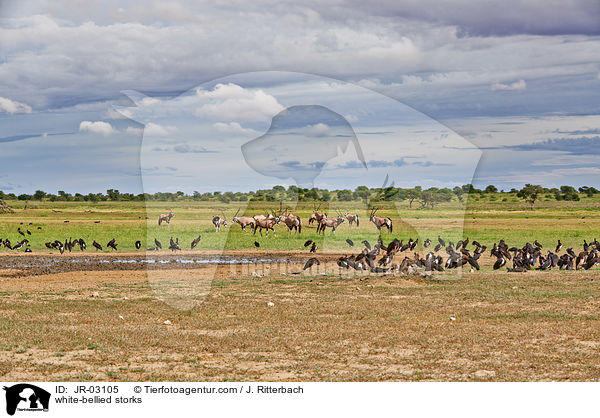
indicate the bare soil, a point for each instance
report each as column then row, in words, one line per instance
column 262, row 322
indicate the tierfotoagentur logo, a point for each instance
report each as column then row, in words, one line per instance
column 257, row 131
column 26, row 397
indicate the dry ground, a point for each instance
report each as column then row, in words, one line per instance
column 109, row 325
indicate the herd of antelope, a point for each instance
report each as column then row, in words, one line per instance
column 292, row 222
column 267, row 222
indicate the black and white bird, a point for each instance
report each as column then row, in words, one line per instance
column 311, row 262
column 174, row 245
column 158, row 244
column 138, row 245
column 97, row 246
column 558, row 246
column 112, row 244
column 350, row 242
column 195, row 241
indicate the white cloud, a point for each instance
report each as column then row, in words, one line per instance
column 154, row 129
column 234, row 103
column 11, row 106
column 148, row 101
column 317, row 130
column 51, row 44
column 99, row 127
column 515, row 86
column 233, row 128
column 579, row 171
column 134, row 131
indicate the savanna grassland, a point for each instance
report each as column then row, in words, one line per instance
column 261, row 323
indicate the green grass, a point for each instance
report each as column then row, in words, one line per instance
column 486, row 219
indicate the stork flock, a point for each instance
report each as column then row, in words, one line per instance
column 515, row 259
column 377, row 258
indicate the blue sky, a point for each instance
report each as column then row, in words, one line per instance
column 435, row 93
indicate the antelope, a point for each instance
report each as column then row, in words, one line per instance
column 316, row 216
column 166, row 218
column 244, row 221
column 293, row 222
column 352, row 218
column 260, row 218
column 379, row 222
column 332, row 223
column 265, row 222
column 218, row 222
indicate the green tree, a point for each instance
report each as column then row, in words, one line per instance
column 362, row 192
column 443, row 195
column 491, row 189
column 344, row 195
column 459, row 192
column 112, row 194
column 39, row 195
column 62, row 195
column 427, row 198
column 412, row 195
column 567, row 189
column 530, row 193
column 589, row 191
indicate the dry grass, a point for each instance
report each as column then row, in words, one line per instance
column 533, row 326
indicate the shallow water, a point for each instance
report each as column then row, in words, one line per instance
column 37, row 262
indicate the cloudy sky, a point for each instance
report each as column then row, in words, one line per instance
column 232, row 96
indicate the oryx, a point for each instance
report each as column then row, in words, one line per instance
column 351, row 218
column 379, row 222
column 244, row 221
column 292, row 221
column 218, row 222
column 166, row 217
column 332, row 223
column 265, row 222
column 316, row 216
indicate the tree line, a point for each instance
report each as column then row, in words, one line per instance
column 417, row 196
